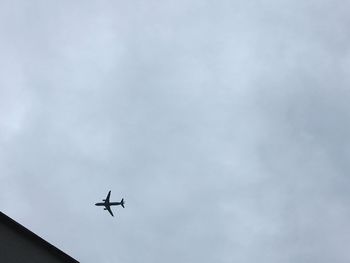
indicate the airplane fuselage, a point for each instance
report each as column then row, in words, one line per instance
column 108, row 204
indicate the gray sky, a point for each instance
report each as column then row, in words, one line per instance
column 224, row 125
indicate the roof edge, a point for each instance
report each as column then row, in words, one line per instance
column 35, row 238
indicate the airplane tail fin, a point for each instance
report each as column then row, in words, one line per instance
column 122, row 203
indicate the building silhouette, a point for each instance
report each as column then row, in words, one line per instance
column 19, row 245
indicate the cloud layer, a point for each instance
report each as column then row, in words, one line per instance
column 223, row 124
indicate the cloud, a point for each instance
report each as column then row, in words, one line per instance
column 223, row 125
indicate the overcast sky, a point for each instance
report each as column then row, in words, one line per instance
column 224, row 124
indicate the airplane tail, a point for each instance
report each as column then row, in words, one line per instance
column 122, row 203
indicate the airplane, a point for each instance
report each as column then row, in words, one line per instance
column 108, row 204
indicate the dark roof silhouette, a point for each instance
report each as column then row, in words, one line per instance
column 4, row 219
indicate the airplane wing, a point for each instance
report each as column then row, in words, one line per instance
column 109, row 210
column 107, row 198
